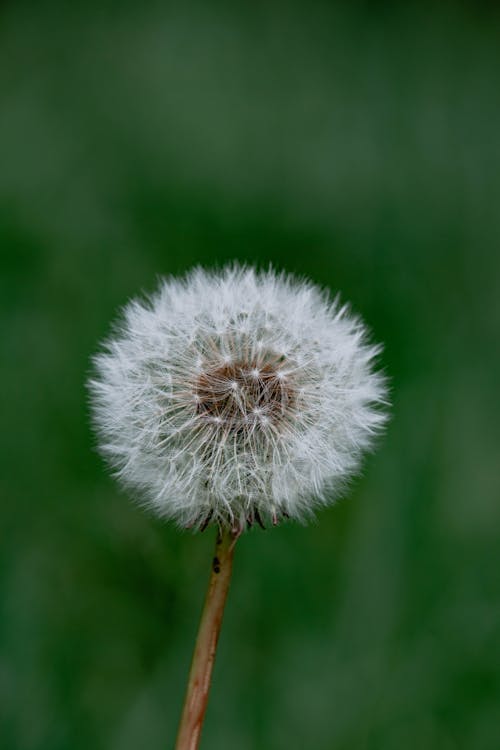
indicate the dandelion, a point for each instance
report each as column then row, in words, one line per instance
column 233, row 398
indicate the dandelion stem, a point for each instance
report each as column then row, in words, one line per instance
column 195, row 702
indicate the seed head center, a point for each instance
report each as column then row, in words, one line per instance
column 241, row 395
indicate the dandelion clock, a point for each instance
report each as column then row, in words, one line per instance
column 230, row 399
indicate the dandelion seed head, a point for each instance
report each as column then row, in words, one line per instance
column 234, row 395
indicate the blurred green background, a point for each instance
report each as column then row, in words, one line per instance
column 359, row 145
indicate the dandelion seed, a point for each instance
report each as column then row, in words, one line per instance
column 257, row 369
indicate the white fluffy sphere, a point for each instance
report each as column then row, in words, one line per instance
column 234, row 396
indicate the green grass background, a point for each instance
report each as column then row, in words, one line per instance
column 359, row 145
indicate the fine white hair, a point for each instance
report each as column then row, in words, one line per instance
column 236, row 396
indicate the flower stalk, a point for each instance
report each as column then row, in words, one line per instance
column 195, row 702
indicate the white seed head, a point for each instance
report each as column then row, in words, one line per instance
column 232, row 396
